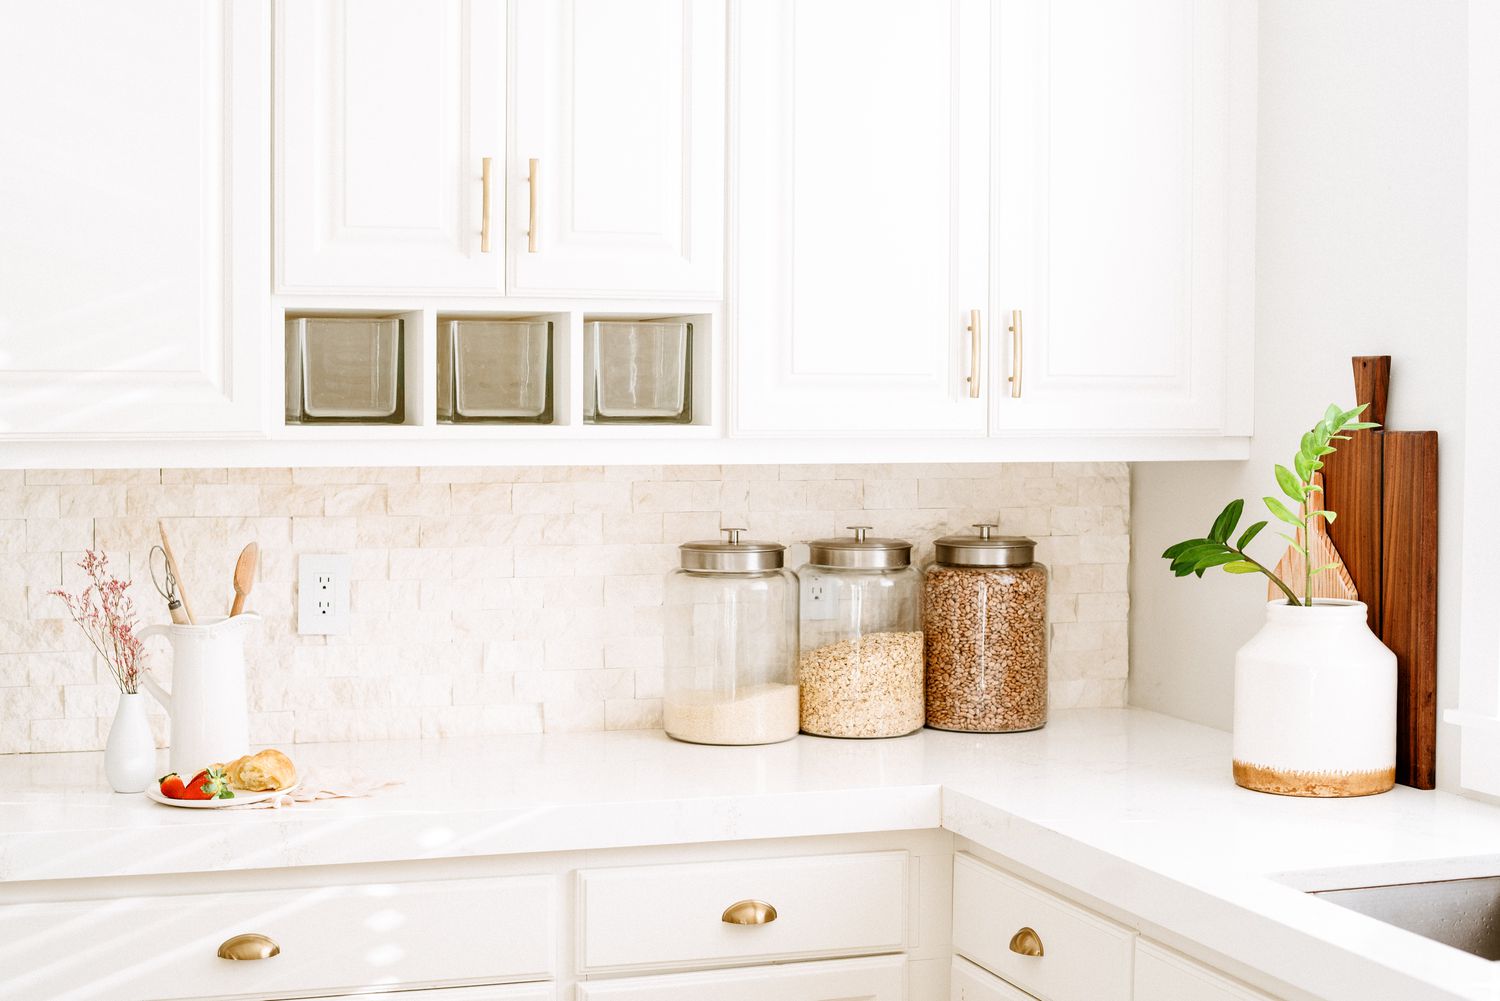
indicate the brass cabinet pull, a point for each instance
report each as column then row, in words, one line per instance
column 484, row 218
column 1015, row 354
column 1026, row 942
column 748, row 912
column 531, row 182
column 250, row 946
column 974, row 345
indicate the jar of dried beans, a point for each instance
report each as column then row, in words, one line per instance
column 861, row 664
column 984, row 613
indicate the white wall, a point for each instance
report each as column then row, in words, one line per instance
column 1360, row 250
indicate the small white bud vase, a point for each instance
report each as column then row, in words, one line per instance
column 130, row 751
column 1315, row 704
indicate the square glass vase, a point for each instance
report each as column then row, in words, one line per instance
column 640, row 372
column 344, row 370
column 494, row 372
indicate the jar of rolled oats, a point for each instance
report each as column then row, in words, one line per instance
column 984, row 616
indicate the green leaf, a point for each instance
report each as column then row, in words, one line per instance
column 1323, row 514
column 1361, row 426
column 1241, row 567
column 1327, row 566
column 1295, row 544
column 1226, row 521
column 1188, row 559
column 1304, row 464
column 1332, row 414
column 1281, row 511
column 1173, row 551
column 1290, row 484
column 1216, row 560
column 1349, row 415
column 1250, row 533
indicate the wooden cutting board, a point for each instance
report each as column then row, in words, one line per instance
column 1383, row 486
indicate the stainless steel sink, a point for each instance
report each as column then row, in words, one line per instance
column 1463, row 913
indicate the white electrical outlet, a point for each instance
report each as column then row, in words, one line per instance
column 323, row 594
column 817, row 598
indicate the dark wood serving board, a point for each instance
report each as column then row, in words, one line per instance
column 1383, row 486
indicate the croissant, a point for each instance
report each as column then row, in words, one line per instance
column 267, row 771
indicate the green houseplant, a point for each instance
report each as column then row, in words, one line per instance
column 1314, row 689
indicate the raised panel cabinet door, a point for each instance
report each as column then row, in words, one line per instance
column 882, row 978
column 132, row 225
column 859, row 215
column 386, row 112
column 1124, row 216
column 616, row 171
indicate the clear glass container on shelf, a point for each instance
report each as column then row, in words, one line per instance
column 494, row 371
column 344, row 369
column 985, row 618
column 640, row 372
column 731, row 644
column 861, row 648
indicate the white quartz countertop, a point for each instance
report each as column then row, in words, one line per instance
column 1133, row 809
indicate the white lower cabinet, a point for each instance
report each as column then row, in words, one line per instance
column 971, row 983
column 882, row 978
column 1163, row 975
column 1035, row 939
column 511, row 992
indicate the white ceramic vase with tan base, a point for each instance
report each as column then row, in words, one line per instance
column 1315, row 704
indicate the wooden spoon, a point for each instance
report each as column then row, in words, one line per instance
column 244, row 577
column 182, row 593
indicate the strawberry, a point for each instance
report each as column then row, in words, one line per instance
column 171, row 785
column 210, row 783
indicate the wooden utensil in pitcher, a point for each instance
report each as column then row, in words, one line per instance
column 244, row 577
column 182, row 596
column 1292, row 568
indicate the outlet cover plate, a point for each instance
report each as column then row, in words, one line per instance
column 817, row 597
column 323, row 594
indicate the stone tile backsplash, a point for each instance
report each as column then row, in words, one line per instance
column 496, row 600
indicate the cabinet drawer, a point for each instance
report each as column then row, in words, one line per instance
column 879, row 979
column 515, row 992
column 1085, row 957
column 970, row 983
column 1162, row 975
column 671, row 915
column 332, row 939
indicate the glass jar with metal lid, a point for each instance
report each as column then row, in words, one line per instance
column 731, row 644
column 984, row 613
column 861, row 664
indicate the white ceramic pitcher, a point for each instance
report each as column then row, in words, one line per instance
column 209, row 713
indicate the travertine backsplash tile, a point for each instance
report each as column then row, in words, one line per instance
column 497, row 599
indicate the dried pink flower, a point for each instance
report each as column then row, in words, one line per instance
column 106, row 614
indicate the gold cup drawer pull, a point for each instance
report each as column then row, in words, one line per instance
column 748, row 912
column 249, row 946
column 1026, row 942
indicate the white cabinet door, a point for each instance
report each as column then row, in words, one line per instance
column 616, row 176
column 386, row 111
column 1161, row 975
column 132, row 224
column 860, row 210
column 879, row 979
column 1125, row 221
column 971, row 983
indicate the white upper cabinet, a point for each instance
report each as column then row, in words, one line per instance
column 133, row 221
column 616, row 169
column 860, row 187
column 386, row 112
column 1124, row 215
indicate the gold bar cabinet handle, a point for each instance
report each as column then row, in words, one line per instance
column 748, row 912
column 251, row 946
column 531, row 182
column 1015, row 357
column 484, row 217
column 974, row 346
column 1026, row 942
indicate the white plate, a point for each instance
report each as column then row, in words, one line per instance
column 241, row 797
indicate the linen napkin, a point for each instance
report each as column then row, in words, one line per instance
column 323, row 784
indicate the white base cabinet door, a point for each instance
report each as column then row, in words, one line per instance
column 616, row 170
column 386, row 112
column 1163, row 975
column 133, row 222
column 970, row 983
column 1124, row 216
column 860, row 216
column 880, row 979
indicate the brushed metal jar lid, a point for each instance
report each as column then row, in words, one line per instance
column 861, row 552
column 731, row 555
column 985, row 550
